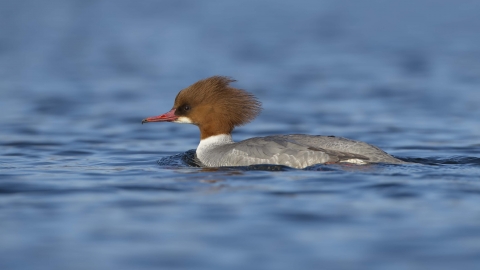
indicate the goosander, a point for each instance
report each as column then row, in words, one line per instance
column 217, row 108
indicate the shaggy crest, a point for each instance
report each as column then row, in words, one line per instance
column 226, row 106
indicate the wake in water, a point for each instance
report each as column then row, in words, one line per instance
column 189, row 159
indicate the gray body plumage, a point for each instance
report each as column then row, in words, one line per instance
column 297, row 151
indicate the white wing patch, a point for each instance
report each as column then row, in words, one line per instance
column 354, row 161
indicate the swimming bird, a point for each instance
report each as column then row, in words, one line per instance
column 217, row 108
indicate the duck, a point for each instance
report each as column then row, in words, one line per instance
column 217, row 108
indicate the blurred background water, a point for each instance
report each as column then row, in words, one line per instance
column 80, row 186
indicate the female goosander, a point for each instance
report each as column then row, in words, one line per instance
column 217, row 108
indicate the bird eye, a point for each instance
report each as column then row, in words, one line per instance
column 186, row 108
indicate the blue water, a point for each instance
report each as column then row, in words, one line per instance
column 83, row 185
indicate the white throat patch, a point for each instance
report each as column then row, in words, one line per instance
column 183, row 120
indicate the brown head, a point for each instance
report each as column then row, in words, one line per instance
column 213, row 105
